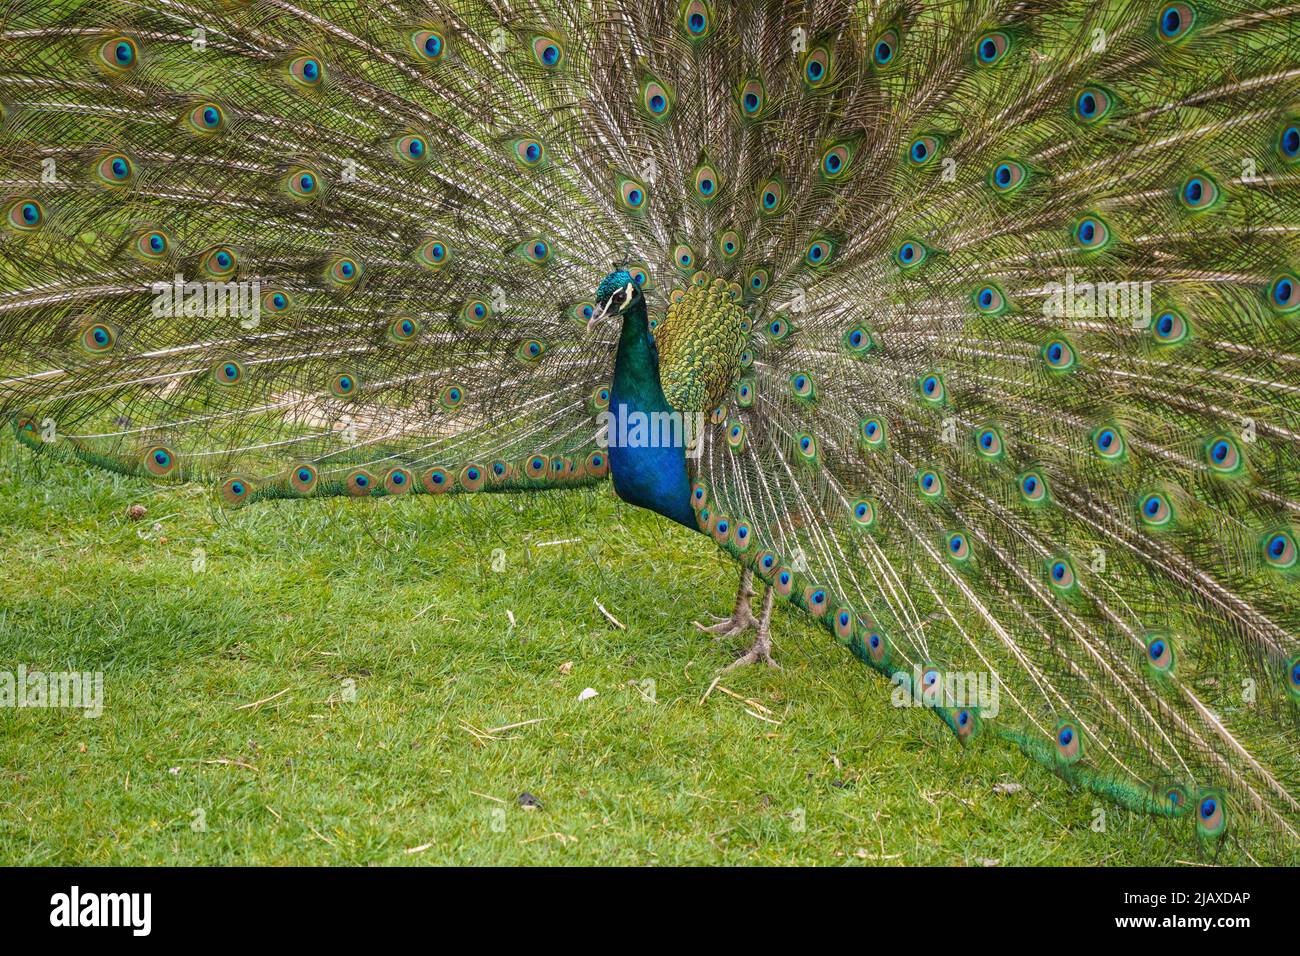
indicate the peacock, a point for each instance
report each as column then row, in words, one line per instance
column 968, row 328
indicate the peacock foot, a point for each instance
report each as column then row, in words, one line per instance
column 742, row 618
column 761, row 650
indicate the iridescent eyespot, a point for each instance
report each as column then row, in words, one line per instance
column 932, row 388
column 536, row 250
column 877, row 646
column 771, row 197
column 528, row 152
column 632, row 194
column 1033, row 487
column 885, row 49
column 1155, row 511
column 819, row 253
column 152, row 244
column 1284, row 293
column 736, row 435
column 403, row 329
column 475, row 312
column 1288, row 142
column 205, row 118
column 991, row 48
column 958, row 546
column 910, row 254
column 345, row 271
column 1223, row 455
column 412, row 148
column 752, row 97
column 97, row 337
column 929, row 483
column 1108, row 442
column 119, row 54
column 343, row 385
column 872, row 431
column 863, row 511
column 25, row 215
column 1008, row 176
column 745, row 393
column 656, row 98
column 433, row 253
column 397, row 481
column 1092, row 104
column 697, row 20
column 684, row 257
column 1211, row 820
column 1170, row 328
column 1060, row 575
column 923, row 151
column 428, row 44
column 115, row 169
column 989, row 300
column 306, row 71
column 236, row 491
column 304, row 184
column 707, row 183
column 729, row 244
column 1198, row 192
column 547, row 52
column 988, row 442
column 858, row 341
column 302, row 478
column 1091, row 232
column 1160, row 652
column 1280, row 550
column 275, row 301
column 756, row 281
column 1293, row 677
column 817, row 66
column 451, row 396
column 806, row 446
column 778, row 328
column 1175, row 20
column 530, row 351
column 229, row 372
column 1059, row 355
column 801, row 386
column 359, row 483
column 159, row 460
column 220, row 262
column 1069, row 743
column 640, row 276
column 836, row 161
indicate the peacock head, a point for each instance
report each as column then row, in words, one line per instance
column 618, row 292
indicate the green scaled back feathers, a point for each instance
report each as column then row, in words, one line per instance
column 994, row 308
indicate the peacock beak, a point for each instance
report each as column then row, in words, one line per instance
column 602, row 310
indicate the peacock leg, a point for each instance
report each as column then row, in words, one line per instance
column 742, row 618
column 761, row 649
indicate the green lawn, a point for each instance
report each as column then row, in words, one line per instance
column 379, row 634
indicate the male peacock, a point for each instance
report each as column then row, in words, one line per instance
column 988, row 308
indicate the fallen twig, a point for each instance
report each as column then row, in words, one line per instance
column 264, row 700
column 612, row 619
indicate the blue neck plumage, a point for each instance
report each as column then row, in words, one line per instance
column 647, row 473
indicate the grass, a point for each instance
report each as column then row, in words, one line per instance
column 379, row 634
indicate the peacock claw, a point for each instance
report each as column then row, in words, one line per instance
column 741, row 619
column 761, row 650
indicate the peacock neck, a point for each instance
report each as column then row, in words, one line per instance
column 647, row 472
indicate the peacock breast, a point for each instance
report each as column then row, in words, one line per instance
column 699, row 341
